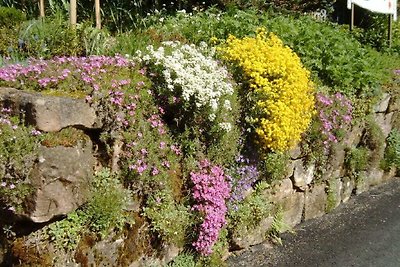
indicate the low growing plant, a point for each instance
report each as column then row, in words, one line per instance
column 18, row 154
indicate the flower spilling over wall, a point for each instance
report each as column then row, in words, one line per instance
column 210, row 191
column 192, row 81
column 334, row 114
column 281, row 93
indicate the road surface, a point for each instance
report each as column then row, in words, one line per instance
column 365, row 231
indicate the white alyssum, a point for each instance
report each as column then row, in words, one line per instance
column 194, row 73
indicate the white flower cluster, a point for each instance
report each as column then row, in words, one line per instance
column 193, row 72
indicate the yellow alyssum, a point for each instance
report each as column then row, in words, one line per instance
column 281, row 89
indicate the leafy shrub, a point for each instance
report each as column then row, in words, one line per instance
column 280, row 92
column 51, row 37
column 275, row 166
column 333, row 55
column 357, row 159
column 11, row 17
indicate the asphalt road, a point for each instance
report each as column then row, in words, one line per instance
column 365, row 231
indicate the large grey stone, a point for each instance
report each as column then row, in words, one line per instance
column 254, row 236
column 353, row 137
column 347, row 189
column 302, row 175
column 394, row 103
column 292, row 208
column 315, row 201
column 49, row 113
column 383, row 104
column 374, row 177
column 384, row 121
column 61, row 181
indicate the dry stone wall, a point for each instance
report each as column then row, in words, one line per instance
column 62, row 177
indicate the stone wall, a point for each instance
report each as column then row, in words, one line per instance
column 62, row 178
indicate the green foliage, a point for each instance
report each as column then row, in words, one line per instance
column 18, row 153
column 392, row 152
column 277, row 227
column 105, row 211
column 67, row 233
column 250, row 212
column 357, row 159
column 184, row 260
column 50, row 37
column 374, row 140
column 335, row 57
column 106, row 208
column 67, row 137
column 331, row 196
column 11, row 17
column 275, row 166
column 170, row 220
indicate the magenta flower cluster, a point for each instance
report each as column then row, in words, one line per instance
column 88, row 71
column 334, row 114
column 210, row 191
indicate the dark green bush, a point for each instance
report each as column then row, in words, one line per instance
column 11, row 17
column 335, row 57
column 49, row 38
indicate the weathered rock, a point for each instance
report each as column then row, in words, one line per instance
column 103, row 253
column 353, row 137
column 292, row 208
column 315, row 202
column 295, row 153
column 347, row 189
column 49, row 113
column 302, row 175
column 374, row 177
column 361, row 183
column 61, row 181
column 291, row 202
column 335, row 163
column 383, row 104
column 282, row 189
column 384, row 122
column 253, row 237
column 394, row 104
column 389, row 174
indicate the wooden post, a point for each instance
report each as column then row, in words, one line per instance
column 72, row 12
column 41, row 8
column 98, row 14
column 352, row 17
column 390, row 30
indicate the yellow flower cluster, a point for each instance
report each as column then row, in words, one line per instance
column 280, row 86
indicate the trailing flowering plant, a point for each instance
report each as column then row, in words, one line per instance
column 194, row 90
column 280, row 92
column 18, row 153
column 334, row 115
column 242, row 177
column 210, row 191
